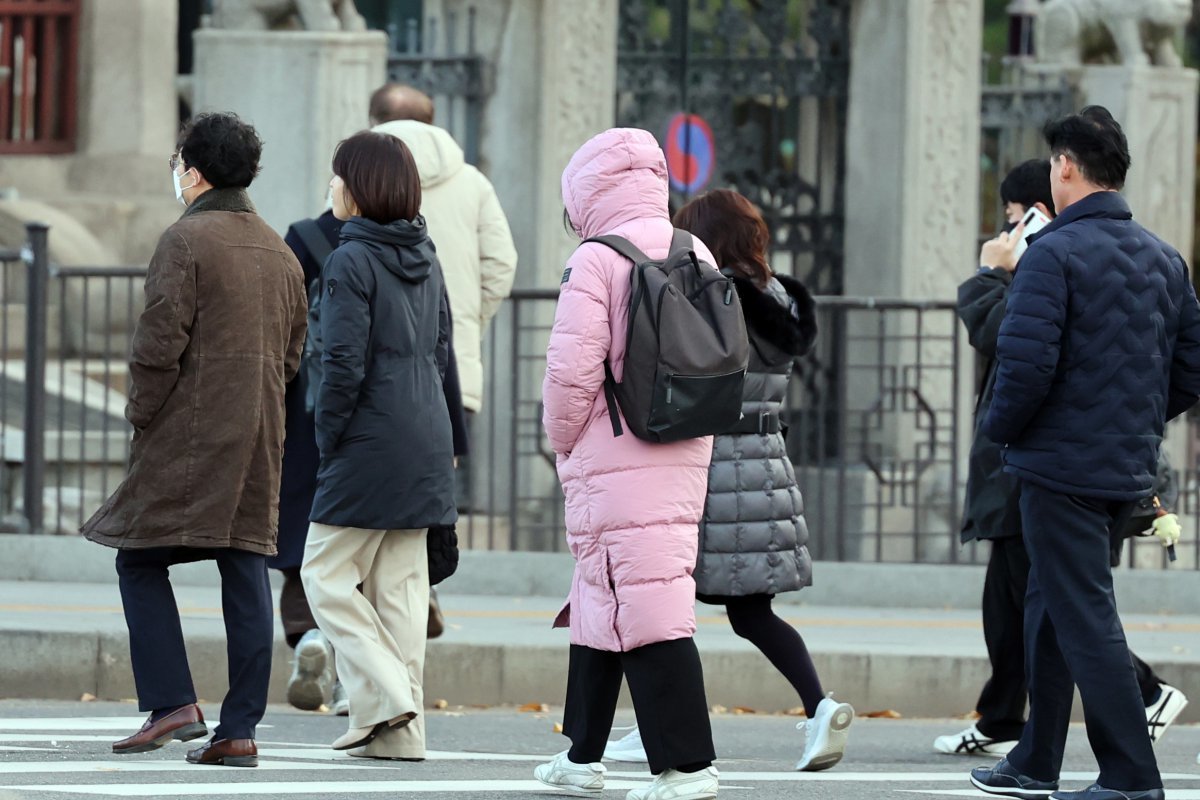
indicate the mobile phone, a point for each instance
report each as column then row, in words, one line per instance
column 1034, row 220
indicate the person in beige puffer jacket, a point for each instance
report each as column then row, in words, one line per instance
column 473, row 241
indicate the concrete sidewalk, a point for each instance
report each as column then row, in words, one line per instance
column 60, row 640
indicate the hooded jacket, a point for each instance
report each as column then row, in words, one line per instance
column 473, row 241
column 632, row 507
column 383, row 430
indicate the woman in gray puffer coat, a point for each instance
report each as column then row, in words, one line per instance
column 753, row 534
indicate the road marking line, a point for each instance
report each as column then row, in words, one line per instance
column 324, row 788
column 175, row 765
column 1176, row 794
column 431, row 755
column 75, row 724
column 878, row 777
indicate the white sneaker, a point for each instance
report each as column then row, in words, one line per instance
column 825, row 736
column 580, row 780
column 672, row 785
column 972, row 743
column 312, row 672
column 627, row 748
column 1163, row 711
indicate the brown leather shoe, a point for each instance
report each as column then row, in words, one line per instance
column 184, row 724
column 229, row 752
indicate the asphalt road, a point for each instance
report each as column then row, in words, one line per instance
column 61, row 751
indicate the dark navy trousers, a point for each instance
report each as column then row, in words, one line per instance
column 1073, row 637
column 156, row 649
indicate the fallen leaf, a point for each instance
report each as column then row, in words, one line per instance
column 558, row 727
column 887, row 713
column 440, row 705
column 528, row 707
column 743, row 710
column 719, row 709
column 798, row 711
column 87, row 697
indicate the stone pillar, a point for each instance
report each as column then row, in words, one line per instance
column 555, row 87
column 912, row 148
column 912, row 189
column 128, row 114
column 1156, row 107
column 303, row 91
column 553, row 69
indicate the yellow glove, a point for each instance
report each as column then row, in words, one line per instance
column 1167, row 529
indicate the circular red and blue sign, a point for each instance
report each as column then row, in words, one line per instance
column 691, row 153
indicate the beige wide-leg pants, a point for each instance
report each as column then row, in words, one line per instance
column 378, row 633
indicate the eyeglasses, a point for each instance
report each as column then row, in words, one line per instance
column 174, row 161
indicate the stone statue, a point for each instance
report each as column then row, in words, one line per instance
column 261, row 15
column 1135, row 32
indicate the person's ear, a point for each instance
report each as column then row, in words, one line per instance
column 1040, row 206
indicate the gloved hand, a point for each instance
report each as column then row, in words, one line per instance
column 1167, row 529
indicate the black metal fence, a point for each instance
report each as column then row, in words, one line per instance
column 879, row 420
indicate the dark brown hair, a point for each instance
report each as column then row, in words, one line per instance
column 380, row 176
column 734, row 231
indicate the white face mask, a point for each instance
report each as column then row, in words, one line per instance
column 178, row 188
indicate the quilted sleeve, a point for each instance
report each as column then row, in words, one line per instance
column 1185, row 364
column 981, row 305
column 1029, row 344
column 579, row 344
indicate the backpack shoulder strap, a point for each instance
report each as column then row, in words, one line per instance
column 315, row 240
column 622, row 246
column 681, row 240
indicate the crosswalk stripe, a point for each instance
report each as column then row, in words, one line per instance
column 1176, row 794
column 77, row 724
column 324, row 788
column 115, row 766
column 431, row 755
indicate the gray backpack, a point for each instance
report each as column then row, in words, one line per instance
column 686, row 351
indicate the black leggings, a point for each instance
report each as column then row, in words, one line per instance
column 752, row 619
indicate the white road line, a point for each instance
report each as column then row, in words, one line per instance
column 110, row 766
column 880, row 777
column 432, row 755
column 12, row 749
column 324, row 788
column 1175, row 794
column 77, row 724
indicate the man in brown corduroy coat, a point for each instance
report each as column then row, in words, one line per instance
column 220, row 336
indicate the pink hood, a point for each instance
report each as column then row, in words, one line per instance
column 617, row 176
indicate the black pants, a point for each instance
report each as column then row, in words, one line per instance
column 156, row 648
column 1002, row 702
column 294, row 611
column 666, row 682
column 1073, row 636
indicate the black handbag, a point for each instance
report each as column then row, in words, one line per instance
column 442, row 544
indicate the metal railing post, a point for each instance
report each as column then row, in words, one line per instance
column 37, row 265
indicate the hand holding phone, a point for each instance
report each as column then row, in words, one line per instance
column 1033, row 221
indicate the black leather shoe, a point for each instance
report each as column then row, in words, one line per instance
column 1098, row 792
column 1004, row 780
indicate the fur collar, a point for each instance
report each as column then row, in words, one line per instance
column 768, row 318
column 222, row 200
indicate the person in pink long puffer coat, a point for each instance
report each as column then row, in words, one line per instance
column 632, row 507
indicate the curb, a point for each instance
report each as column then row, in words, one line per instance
column 65, row 665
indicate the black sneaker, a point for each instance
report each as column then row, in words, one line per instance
column 1003, row 779
column 1098, row 792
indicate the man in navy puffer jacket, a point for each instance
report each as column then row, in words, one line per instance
column 1100, row 345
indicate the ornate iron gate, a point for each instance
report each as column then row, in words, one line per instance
column 751, row 95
